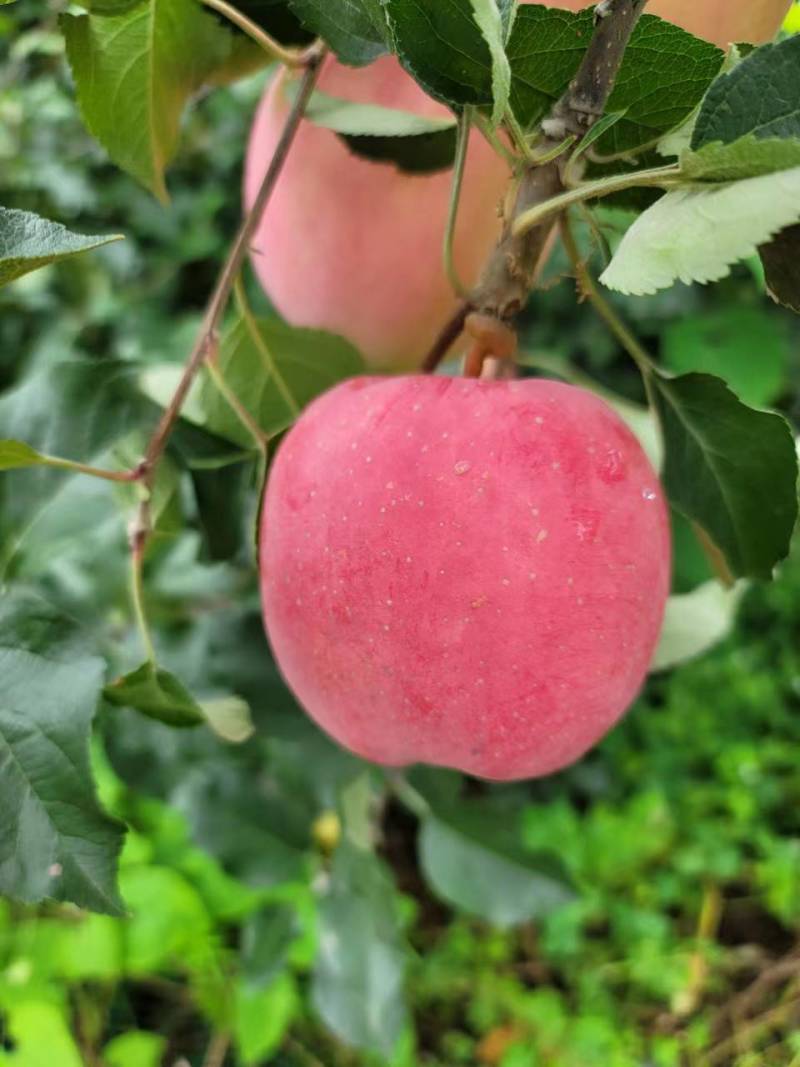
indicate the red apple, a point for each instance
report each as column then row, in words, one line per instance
column 354, row 246
column 465, row 573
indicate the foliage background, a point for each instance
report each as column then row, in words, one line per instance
column 681, row 833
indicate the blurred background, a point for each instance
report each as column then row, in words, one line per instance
column 668, row 931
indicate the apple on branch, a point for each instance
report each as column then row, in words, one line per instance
column 463, row 572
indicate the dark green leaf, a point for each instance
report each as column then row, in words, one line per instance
column 663, row 77
column 135, row 71
column 155, row 693
column 55, row 842
column 267, row 936
column 351, row 27
column 759, row 97
column 441, row 45
column 474, row 862
column 28, row 242
column 781, row 259
column 358, row 980
column 729, row 468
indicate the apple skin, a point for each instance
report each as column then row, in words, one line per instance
column 723, row 22
column 465, row 573
column 355, row 246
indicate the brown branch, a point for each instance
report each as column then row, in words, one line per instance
column 510, row 273
column 207, row 340
column 205, row 346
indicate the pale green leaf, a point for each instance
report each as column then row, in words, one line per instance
column 415, row 143
column 262, row 1017
column 229, row 717
column 358, row 980
column 695, row 233
column 15, row 454
column 488, row 18
column 28, row 241
column 136, row 1048
column 41, row 1036
column 473, row 863
column 694, row 622
column 345, row 116
column 745, row 158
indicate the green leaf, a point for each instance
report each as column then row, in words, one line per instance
column 663, row 76
column 135, row 71
column 15, row 454
column 358, row 979
column 442, row 46
column 696, row 232
column 155, row 693
column 272, row 368
column 239, row 814
column 351, row 27
column 55, row 842
column 262, row 1017
column 748, row 347
column 473, row 862
column 229, row 717
column 729, row 468
column 41, row 1036
column 745, row 158
column 28, row 242
column 136, row 1048
column 75, row 409
column 694, row 622
column 168, row 925
column 415, row 143
column 267, row 936
column 781, row 259
column 759, row 97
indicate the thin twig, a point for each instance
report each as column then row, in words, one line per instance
column 589, row 289
column 205, row 346
column 462, row 144
column 658, row 177
column 217, row 1050
column 446, row 338
column 138, row 540
column 290, row 57
column 207, row 340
